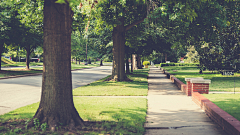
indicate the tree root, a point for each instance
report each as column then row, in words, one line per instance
column 54, row 121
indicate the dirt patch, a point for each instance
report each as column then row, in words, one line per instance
column 18, row 126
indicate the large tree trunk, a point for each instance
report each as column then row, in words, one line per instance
column 27, row 56
column 118, row 70
column 56, row 105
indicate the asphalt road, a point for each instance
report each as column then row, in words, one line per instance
column 19, row 92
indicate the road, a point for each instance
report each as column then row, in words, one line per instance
column 19, row 92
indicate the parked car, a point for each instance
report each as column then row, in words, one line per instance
column 35, row 60
column 7, row 57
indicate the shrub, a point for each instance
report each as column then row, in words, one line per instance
column 146, row 63
column 178, row 64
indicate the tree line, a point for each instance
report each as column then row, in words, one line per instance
column 121, row 28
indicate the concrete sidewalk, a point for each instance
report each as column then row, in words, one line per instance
column 170, row 112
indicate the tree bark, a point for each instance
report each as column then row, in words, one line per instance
column 1, row 50
column 56, row 105
column 139, row 65
column 118, row 71
column 76, row 60
column 127, row 62
column 101, row 64
column 165, row 57
column 132, row 63
column 27, row 56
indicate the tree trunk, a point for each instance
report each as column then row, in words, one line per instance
column 127, row 62
column 1, row 50
column 101, row 63
column 56, row 105
column 139, row 65
column 132, row 63
column 165, row 57
column 27, row 56
column 118, row 70
column 79, row 61
column 76, row 60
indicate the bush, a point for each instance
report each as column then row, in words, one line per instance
column 146, row 63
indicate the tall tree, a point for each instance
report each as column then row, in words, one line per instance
column 122, row 15
column 56, row 105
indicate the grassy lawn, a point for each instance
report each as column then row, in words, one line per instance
column 106, row 115
column 5, row 73
column 117, row 115
column 219, row 82
column 22, row 64
column 227, row 102
column 138, row 87
column 22, row 71
column 81, row 66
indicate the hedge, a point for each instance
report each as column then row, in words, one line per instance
column 178, row 64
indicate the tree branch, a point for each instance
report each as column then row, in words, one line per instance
column 133, row 24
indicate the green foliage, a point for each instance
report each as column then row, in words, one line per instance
column 44, row 126
column 178, row 64
column 146, row 63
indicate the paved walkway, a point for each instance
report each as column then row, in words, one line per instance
column 170, row 112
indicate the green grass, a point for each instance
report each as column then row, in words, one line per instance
column 5, row 73
column 81, row 66
column 22, row 64
column 123, row 115
column 21, row 71
column 227, row 102
column 138, row 87
column 219, row 82
column 117, row 115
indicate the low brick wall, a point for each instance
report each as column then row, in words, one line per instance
column 230, row 124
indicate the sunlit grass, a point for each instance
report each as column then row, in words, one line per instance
column 137, row 87
column 219, row 82
column 122, row 115
column 227, row 102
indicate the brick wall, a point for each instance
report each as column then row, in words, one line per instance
column 230, row 124
column 200, row 87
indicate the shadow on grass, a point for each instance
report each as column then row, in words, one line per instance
column 131, row 120
column 230, row 105
column 11, row 73
column 139, row 78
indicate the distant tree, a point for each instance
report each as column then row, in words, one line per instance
column 192, row 55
